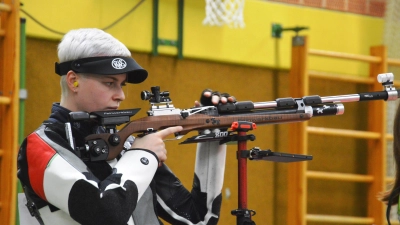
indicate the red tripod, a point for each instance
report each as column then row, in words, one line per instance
column 243, row 214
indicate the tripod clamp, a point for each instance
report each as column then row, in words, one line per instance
column 244, row 216
column 234, row 138
column 243, row 212
column 255, row 153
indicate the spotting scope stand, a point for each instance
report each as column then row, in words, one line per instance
column 243, row 214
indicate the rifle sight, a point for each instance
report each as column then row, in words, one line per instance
column 155, row 96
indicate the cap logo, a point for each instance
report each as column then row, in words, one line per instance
column 118, row 63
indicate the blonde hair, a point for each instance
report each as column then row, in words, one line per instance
column 87, row 42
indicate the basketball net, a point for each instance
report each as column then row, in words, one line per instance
column 224, row 12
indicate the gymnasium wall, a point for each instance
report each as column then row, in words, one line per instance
column 247, row 63
column 253, row 45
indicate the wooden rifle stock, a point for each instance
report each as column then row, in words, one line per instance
column 190, row 123
column 284, row 110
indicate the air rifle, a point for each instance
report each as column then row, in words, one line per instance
column 163, row 114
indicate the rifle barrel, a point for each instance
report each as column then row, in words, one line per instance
column 389, row 95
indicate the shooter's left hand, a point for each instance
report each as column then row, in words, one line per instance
column 209, row 98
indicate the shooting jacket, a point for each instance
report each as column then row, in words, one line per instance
column 129, row 190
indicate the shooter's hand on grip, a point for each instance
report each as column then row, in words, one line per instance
column 154, row 142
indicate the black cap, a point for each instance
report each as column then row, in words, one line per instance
column 105, row 65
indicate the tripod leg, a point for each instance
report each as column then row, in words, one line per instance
column 245, row 221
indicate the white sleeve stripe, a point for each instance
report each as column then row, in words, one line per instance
column 210, row 169
column 171, row 212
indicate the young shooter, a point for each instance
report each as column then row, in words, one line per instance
column 135, row 188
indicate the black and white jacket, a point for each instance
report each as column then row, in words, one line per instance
column 129, row 190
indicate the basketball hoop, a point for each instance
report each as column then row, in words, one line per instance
column 224, row 12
